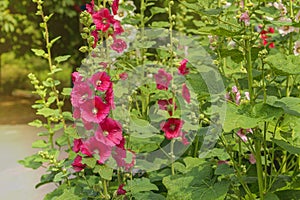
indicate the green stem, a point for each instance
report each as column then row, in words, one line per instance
column 105, row 191
column 249, row 70
column 259, row 168
column 172, row 156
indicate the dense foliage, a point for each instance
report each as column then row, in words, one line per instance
column 174, row 100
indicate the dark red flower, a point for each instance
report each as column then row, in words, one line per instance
column 109, row 132
column 182, row 69
column 123, row 76
column 119, row 45
column 186, row 93
column 96, row 37
column 77, row 145
column 162, row 79
column 264, row 36
column 103, row 19
column 172, row 128
column 101, row 81
column 167, row 105
column 94, row 110
column 77, row 164
column 115, row 7
column 120, row 190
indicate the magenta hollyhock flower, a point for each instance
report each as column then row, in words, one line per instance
column 76, row 77
column 119, row 153
column 103, row 19
column 186, row 93
column 101, row 81
column 94, row 110
column 167, row 105
column 182, row 69
column 88, row 125
column 162, row 79
column 264, row 36
column 96, row 37
column 81, row 93
column 245, row 18
column 120, row 190
column 119, row 45
column 184, row 140
column 109, row 97
column 90, row 7
column 172, row 128
column 118, row 29
column 76, row 112
column 77, row 164
column 77, row 145
column 115, row 6
column 94, row 146
column 109, row 132
column 123, row 76
column 252, row 159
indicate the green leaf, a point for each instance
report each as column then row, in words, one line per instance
column 66, row 91
column 286, row 146
column 59, row 177
column 31, row 162
column 235, row 54
column 224, row 169
column 90, row 162
column 36, row 123
column 40, row 144
column 284, row 64
column 105, row 172
column 60, row 59
column 148, row 196
column 47, row 112
column 271, row 196
column 139, row 185
column 290, row 105
column 160, row 24
column 235, row 119
column 288, row 194
column 68, row 195
column 38, row 52
column 54, row 40
column 156, row 10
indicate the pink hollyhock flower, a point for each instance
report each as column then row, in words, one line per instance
column 77, row 164
column 76, row 112
column 280, row 7
column 77, row 145
column 109, row 97
column 96, row 147
column 118, row 29
column 234, row 89
column 103, row 19
column 186, row 93
column 227, row 96
column 172, row 128
column 297, row 48
column 252, row 159
column 115, row 6
column 238, row 98
column 182, row 69
column 184, row 140
column 222, row 162
column 162, row 79
column 94, row 110
column 96, row 37
column 81, row 93
column 101, row 81
column 247, row 95
column 242, row 135
column 123, row 76
column 119, row 45
column 167, row 105
column 109, row 132
column 76, row 77
column 245, row 18
column 120, row 190
column 88, row 125
column 90, row 7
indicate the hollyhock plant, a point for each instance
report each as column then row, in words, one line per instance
column 101, row 81
column 167, row 105
column 172, row 128
column 94, row 110
column 81, row 93
column 109, row 132
column 182, row 69
column 119, row 45
column 103, row 19
column 264, row 36
column 163, row 79
column 186, row 93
